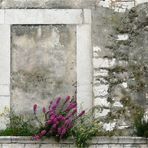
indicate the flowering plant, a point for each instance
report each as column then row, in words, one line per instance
column 59, row 118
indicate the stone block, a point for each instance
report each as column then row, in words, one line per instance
column 101, row 101
column 43, row 16
column 13, row 146
column 84, row 66
column 50, row 145
column 1, row 16
column 4, row 90
column 122, row 37
column 101, row 113
column 101, row 72
column 103, row 63
column 32, row 146
column 4, row 54
column 100, row 90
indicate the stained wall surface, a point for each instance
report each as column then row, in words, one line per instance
column 43, row 64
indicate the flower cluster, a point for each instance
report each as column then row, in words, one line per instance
column 59, row 118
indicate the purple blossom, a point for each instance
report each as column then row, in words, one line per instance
column 58, row 121
column 71, row 106
column 36, row 137
column 44, row 110
column 59, row 131
column 67, row 99
column 82, row 113
column 35, row 108
column 49, row 122
column 54, row 126
column 64, row 130
column 67, row 122
column 43, row 132
column 58, row 100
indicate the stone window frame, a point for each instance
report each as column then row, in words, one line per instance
column 79, row 17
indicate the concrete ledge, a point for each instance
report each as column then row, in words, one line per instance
column 45, row 16
column 95, row 140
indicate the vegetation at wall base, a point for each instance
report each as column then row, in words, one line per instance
column 141, row 125
column 19, row 127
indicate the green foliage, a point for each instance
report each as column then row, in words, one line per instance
column 85, row 129
column 19, row 127
column 141, row 126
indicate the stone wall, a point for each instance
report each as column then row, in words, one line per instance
column 98, row 142
column 104, row 24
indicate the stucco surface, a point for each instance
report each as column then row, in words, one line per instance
column 42, row 64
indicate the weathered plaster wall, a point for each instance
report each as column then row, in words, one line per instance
column 43, row 64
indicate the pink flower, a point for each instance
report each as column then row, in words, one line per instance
column 59, row 130
column 81, row 114
column 35, row 108
column 55, row 120
column 74, row 111
column 64, row 130
column 67, row 99
column 58, row 100
column 60, row 117
column 52, row 117
column 50, row 105
column 49, row 122
column 68, row 122
column 54, row 126
column 44, row 110
column 43, row 132
column 36, row 137
column 71, row 106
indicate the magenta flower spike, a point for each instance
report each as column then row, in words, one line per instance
column 59, row 118
column 71, row 106
column 67, row 99
column 35, row 108
column 43, row 132
column 50, row 105
column 74, row 111
column 82, row 113
column 44, row 110
column 49, row 122
column 58, row 100
column 36, row 137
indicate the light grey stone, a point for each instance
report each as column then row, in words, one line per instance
column 1, row 16
column 44, row 16
column 32, row 146
column 84, row 66
column 5, row 54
